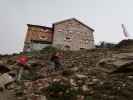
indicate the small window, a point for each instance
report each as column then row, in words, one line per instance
column 69, row 24
column 43, row 37
column 70, row 32
column 46, row 30
column 60, row 30
column 68, row 38
column 86, row 41
column 67, row 47
column 82, row 48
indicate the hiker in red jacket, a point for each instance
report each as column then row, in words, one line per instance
column 22, row 62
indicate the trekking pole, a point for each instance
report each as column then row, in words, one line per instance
column 20, row 74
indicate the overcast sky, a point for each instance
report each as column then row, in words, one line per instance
column 105, row 16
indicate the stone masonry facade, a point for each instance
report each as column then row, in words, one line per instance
column 69, row 34
column 73, row 35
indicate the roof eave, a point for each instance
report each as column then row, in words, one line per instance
column 30, row 25
column 75, row 20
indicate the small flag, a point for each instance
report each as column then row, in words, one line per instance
column 124, row 31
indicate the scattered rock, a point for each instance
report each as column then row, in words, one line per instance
column 89, row 74
column 80, row 76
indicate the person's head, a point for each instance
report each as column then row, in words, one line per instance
column 57, row 53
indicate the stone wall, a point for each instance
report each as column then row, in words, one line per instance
column 73, row 35
column 85, row 58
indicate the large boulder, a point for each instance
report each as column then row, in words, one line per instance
column 117, row 63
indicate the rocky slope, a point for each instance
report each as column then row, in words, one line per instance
column 99, row 74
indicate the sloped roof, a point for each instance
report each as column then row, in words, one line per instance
column 43, row 27
column 75, row 20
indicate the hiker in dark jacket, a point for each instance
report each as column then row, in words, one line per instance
column 56, row 58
